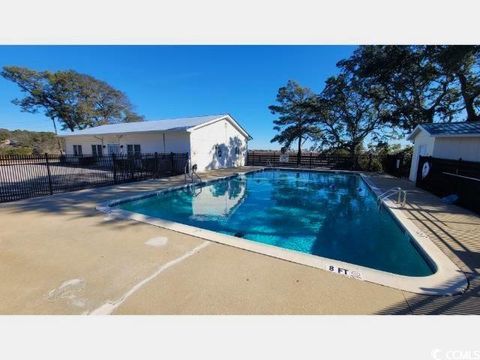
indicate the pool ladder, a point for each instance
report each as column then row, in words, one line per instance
column 191, row 172
column 398, row 191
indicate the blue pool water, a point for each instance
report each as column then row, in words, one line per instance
column 326, row 214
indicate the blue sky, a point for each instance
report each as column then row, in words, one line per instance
column 180, row 81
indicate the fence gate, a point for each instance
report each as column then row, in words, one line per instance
column 457, row 179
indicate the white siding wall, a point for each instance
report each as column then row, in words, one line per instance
column 224, row 135
column 467, row 148
column 177, row 142
column 422, row 141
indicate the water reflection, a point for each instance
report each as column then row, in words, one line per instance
column 219, row 199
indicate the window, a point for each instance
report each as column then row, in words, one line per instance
column 133, row 150
column 237, row 151
column 77, row 150
column 97, row 150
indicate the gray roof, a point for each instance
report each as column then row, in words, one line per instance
column 449, row 129
column 179, row 124
column 462, row 128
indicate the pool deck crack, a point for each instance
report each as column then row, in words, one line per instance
column 110, row 306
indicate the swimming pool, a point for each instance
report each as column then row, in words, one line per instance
column 332, row 218
column 330, row 215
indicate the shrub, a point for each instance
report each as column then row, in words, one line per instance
column 22, row 150
column 374, row 164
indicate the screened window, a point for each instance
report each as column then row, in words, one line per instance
column 97, row 150
column 77, row 150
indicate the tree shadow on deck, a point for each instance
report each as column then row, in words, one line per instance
column 467, row 303
column 456, row 231
column 226, row 155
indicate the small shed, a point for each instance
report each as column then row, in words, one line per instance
column 212, row 141
column 454, row 141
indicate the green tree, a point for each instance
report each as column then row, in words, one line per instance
column 22, row 150
column 294, row 122
column 75, row 100
column 347, row 114
column 39, row 143
column 4, row 134
column 463, row 63
column 384, row 148
column 411, row 86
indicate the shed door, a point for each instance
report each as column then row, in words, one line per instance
column 422, row 150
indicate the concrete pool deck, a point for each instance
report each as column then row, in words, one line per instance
column 59, row 255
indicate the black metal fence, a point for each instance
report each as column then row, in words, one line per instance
column 396, row 165
column 29, row 176
column 443, row 177
column 308, row 160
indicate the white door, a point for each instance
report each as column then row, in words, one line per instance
column 422, row 151
column 113, row 149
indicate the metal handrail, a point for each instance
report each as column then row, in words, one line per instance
column 191, row 171
column 187, row 166
column 385, row 193
column 401, row 196
column 194, row 172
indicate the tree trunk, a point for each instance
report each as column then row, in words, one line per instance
column 353, row 156
column 299, row 152
column 467, row 98
column 54, row 126
column 60, row 147
column 429, row 114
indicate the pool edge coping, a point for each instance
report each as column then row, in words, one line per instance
column 447, row 280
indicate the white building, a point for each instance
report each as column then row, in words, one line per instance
column 446, row 141
column 212, row 142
